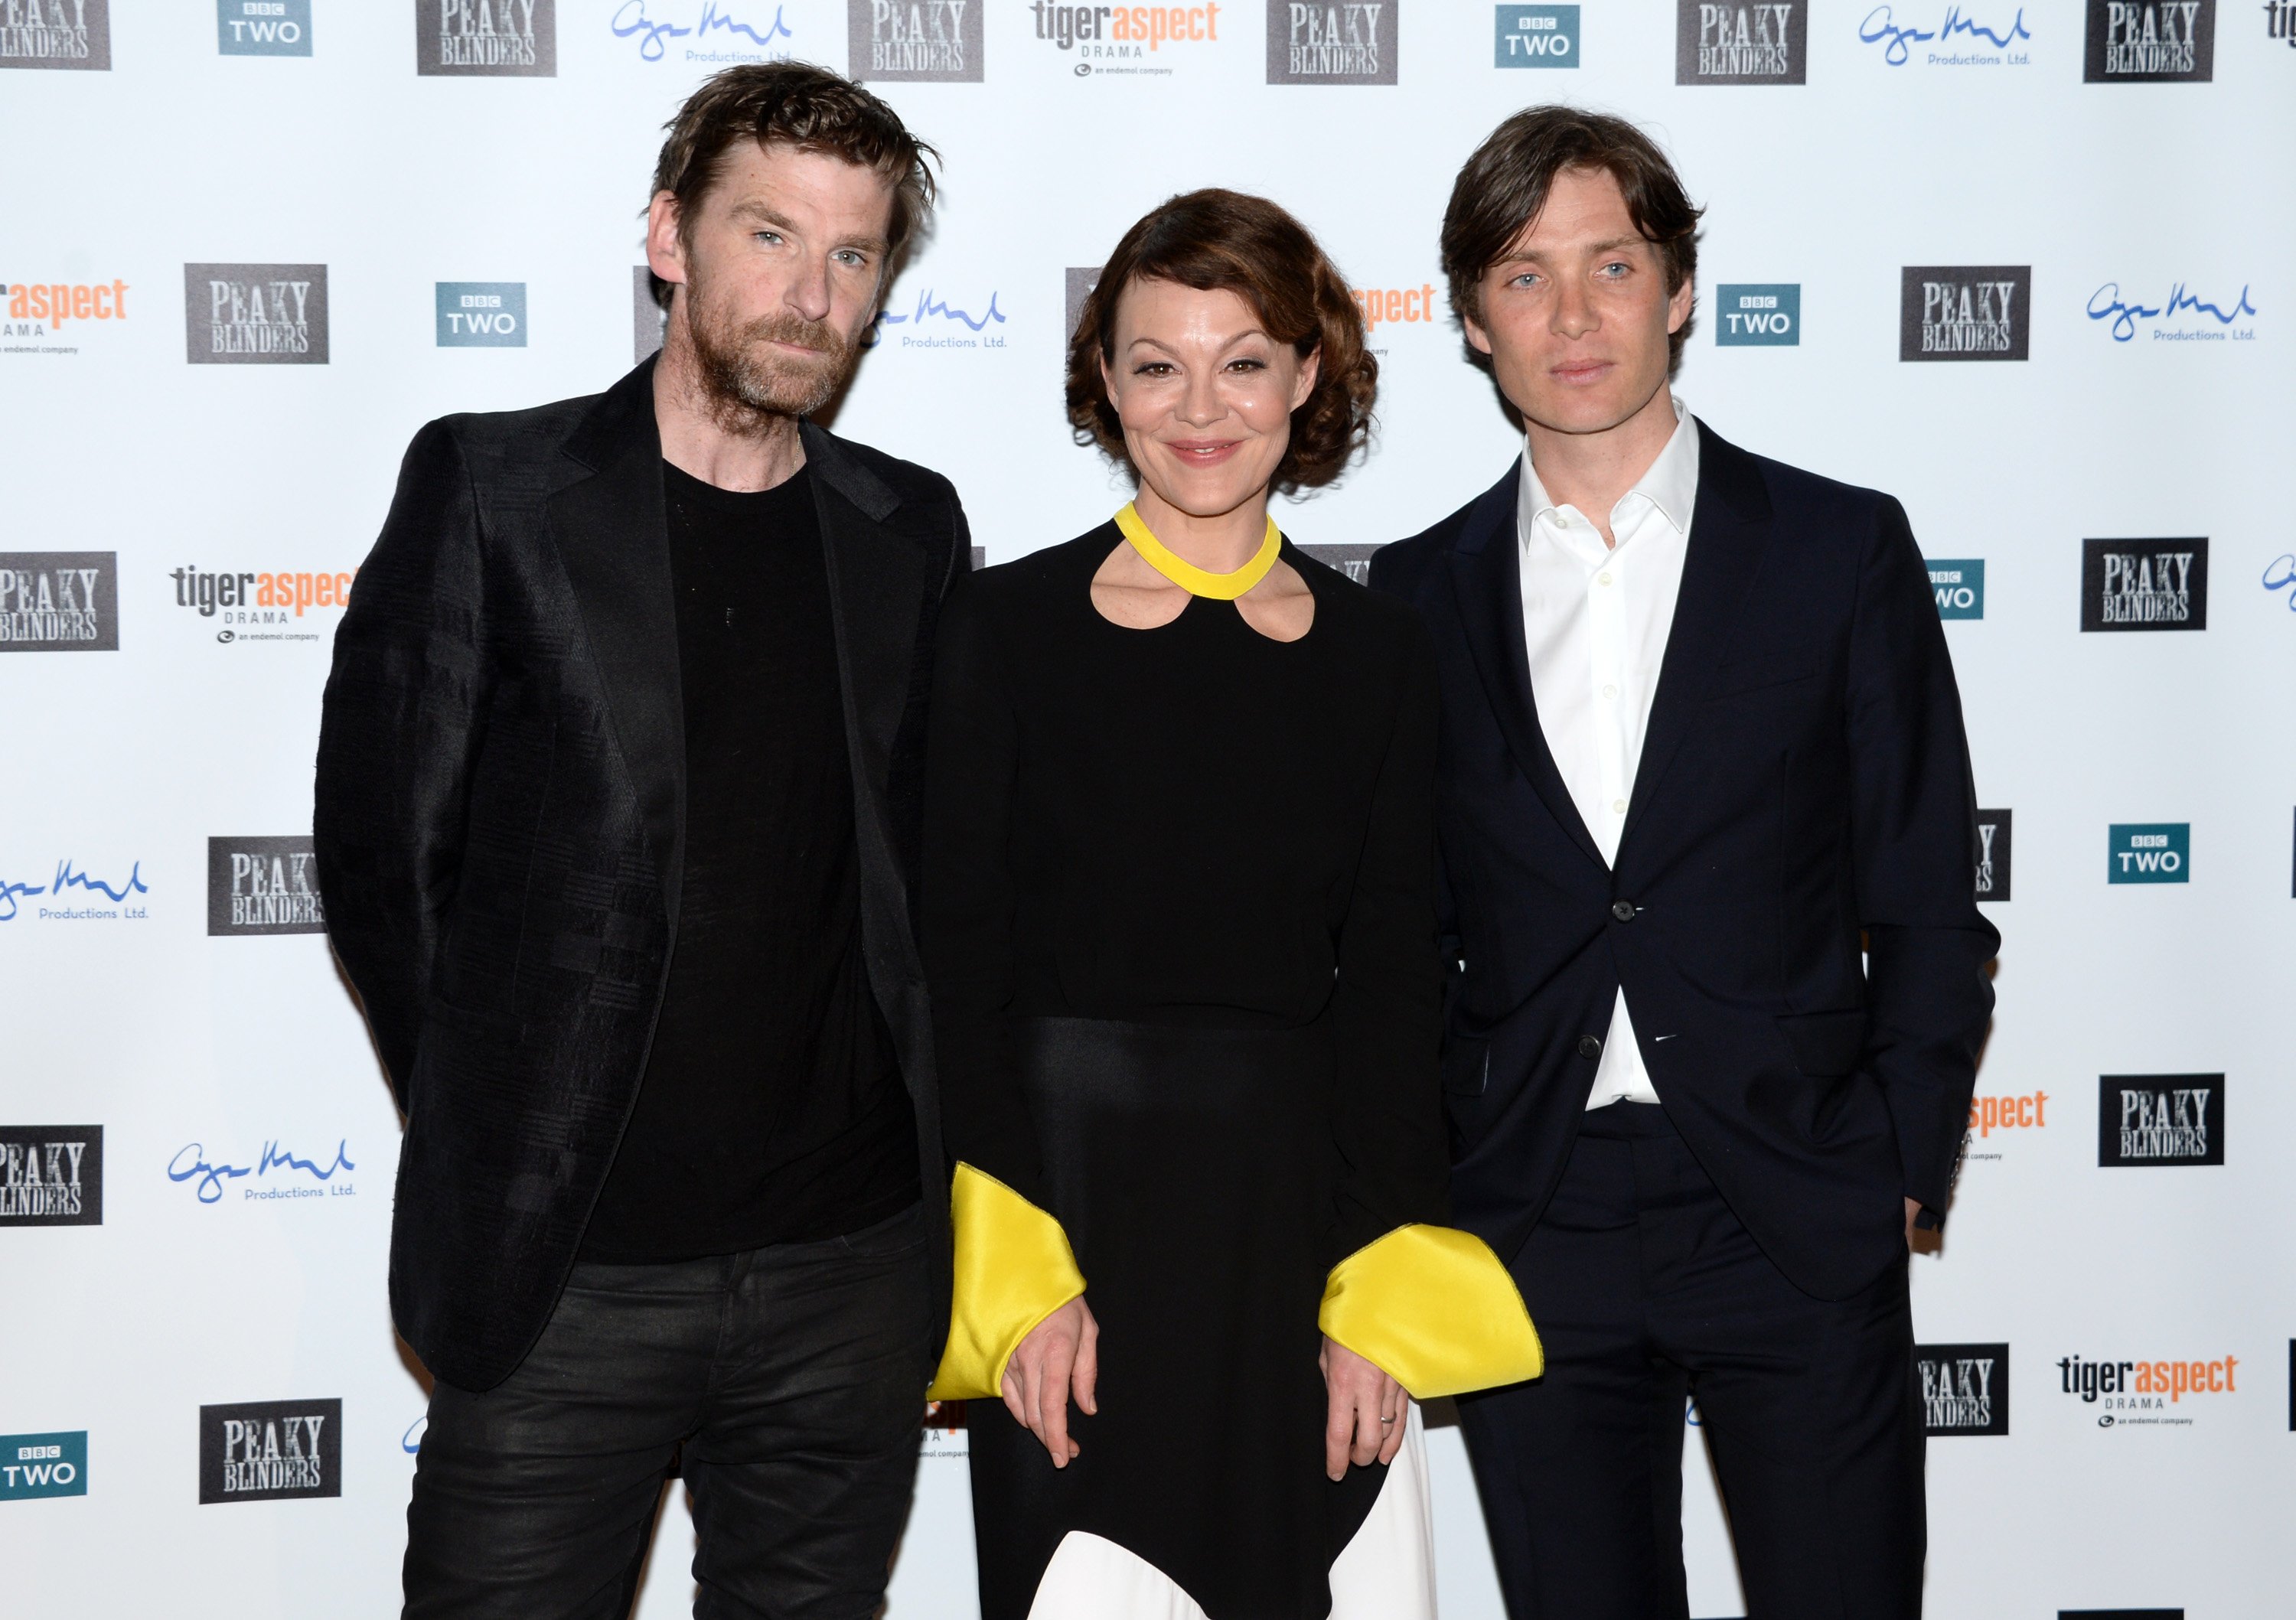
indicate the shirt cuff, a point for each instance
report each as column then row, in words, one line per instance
column 1014, row 1268
column 1432, row 1308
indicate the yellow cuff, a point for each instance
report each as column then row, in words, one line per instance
column 1013, row 1269
column 1432, row 1307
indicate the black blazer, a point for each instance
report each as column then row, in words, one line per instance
column 1805, row 780
column 499, row 819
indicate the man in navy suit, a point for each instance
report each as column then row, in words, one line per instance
column 1709, row 841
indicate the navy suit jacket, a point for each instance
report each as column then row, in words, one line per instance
column 1804, row 788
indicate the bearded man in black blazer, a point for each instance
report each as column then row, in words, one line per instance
column 1709, row 840
column 615, row 816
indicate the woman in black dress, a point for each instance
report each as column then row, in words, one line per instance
column 1179, row 918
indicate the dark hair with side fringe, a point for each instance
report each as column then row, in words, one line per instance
column 1504, row 187
column 1252, row 248
column 796, row 104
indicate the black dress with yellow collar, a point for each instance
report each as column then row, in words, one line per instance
column 1178, row 915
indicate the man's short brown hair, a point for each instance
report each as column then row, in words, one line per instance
column 1251, row 247
column 800, row 105
column 1505, row 186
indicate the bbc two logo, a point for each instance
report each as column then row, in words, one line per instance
column 42, row 1465
column 263, row 28
column 1757, row 314
column 1535, row 36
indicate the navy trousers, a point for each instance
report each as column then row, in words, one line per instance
column 1647, row 1291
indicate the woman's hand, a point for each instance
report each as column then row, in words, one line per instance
column 1061, row 1354
column 1364, row 1420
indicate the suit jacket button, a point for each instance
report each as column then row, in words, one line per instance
column 1590, row 1046
column 1623, row 910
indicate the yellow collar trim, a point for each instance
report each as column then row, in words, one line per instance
column 1186, row 575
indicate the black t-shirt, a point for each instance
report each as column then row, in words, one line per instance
column 772, row 1111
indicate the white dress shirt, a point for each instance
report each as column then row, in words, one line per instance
column 1595, row 620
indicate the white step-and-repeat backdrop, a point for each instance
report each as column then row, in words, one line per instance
column 2025, row 267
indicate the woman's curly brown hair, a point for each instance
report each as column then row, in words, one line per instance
column 1251, row 248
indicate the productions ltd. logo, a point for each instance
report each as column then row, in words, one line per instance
column 1721, row 42
column 263, row 28
column 1965, row 311
column 271, row 1450
column 708, row 34
column 920, row 41
column 2150, row 41
column 2145, row 1121
column 76, row 894
column 486, row 38
column 1333, row 42
column 1946, row 37
column 936, row 322
column 2179, row 315
column 255, row 315
column 51, row 1175
column 59, row 601
column 297, row 1177
column 2144, row 585
column 56, row 33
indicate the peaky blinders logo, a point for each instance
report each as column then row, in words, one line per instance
column 2144, row 585
column 1965, row 311
column 263, row 886
column 2149, row 42
column 1081, row 280
column 59, row 601
column 486, row 38
column 255, row 315
column 1353, row 561
column 51, row 1175
column 1964, row 1388
column 1726, row 42
column 1331, row 42
column 271, row 1450
column 648, row 317
column 56, row 33
column 920, row 41
column 2148, row 1121
column 1993, row 851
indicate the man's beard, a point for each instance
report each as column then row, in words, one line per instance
column 749, row 383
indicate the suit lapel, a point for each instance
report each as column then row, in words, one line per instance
column 877, row 588
column 614, row 540
column 1487, row 584
column 1729, row 531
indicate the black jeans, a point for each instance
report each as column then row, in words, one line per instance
column 790, row 1381
column 1645, row 1288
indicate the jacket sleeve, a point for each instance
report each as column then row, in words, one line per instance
column 1013, row 1266
column 1430, row 1305
column 400, row 729
column 1914, row 815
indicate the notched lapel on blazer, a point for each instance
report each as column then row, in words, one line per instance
column 1729, row 532
column 877, row 587
column 613, row 538
column 1486, row 585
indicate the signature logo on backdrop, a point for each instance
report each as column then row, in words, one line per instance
column 2280, row 575
column 931, row 319
column 71, row 884
column 746, row 35
column 207, row 1178
column 1955, row 30
column 2107, row 303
